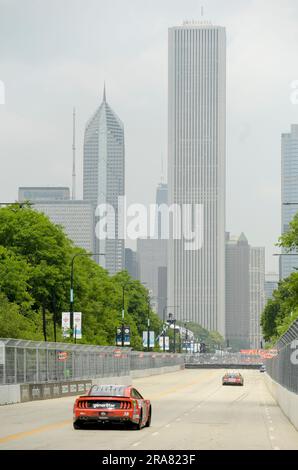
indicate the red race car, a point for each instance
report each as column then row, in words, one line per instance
column 232, row 378
column 112, row 404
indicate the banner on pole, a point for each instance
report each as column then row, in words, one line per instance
column 165, row 339
column 65, row 324
column 123, row 332
column 77, row 325
column 151, row 339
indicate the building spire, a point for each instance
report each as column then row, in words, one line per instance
column 104, row 92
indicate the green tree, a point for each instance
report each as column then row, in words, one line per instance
column 281, row 310
column 35, row 260
column 15, row 325
column 15, row 275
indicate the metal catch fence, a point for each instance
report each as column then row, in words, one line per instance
column 283, row 366
column 23, row 361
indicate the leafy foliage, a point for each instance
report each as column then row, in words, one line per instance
column 212, row 339
column 35, row 259
column 282, row 309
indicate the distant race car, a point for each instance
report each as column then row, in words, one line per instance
column 263, row 368
column 112, row 404
column 232, row 378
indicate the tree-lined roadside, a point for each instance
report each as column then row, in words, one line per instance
column 35, row 258
column 282, row 309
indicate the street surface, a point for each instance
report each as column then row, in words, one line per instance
column 191, row 410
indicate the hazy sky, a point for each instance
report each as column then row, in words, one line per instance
column 55, row 54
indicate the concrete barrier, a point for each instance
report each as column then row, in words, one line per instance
column 10, row 394
column 21, row 393
column 288, row 401
column 138, row 373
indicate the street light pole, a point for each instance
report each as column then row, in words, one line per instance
column 186, row 337
column 164, row 321
column 148, row 325
column 148, row 335
column 163, row 325
column 174, row 322
column 122, row 324
column 71, row 303
column 123, row 310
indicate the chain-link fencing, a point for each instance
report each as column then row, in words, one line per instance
column 283, row 365
column 223, row 358
column 24, row 361
column 151, row 360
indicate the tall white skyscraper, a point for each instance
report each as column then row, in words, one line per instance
column 289, row 192
column 104, row 172
column 196, row 168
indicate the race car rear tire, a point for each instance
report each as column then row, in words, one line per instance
column 138, row 426
column 148, row 422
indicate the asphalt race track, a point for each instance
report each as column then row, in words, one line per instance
column 191, row 410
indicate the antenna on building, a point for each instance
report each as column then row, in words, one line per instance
column 74, row 154
column 104, row 92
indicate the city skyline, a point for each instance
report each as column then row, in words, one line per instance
column 148, row 229
column 46, row 159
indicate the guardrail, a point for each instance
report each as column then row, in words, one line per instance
column 283, row 366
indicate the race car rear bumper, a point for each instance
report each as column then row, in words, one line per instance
column 105, row 416
column 232, row 383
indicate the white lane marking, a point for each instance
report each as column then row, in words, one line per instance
column 178, row 419
column 155, row 433
column 276, row 448
column 136, row 444
column 271, row 428
column 167, row 425
column 271, row 437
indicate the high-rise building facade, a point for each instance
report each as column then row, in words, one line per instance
column 131, row 264
column 257, row 294
column 75, row 216
column 44, row 193
column 152, row 255
column 245, row 292
column 289, row 193
column 237, row 291
column 161, row 198
column 104, row 176
column 196, row 168
column 271, row 283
